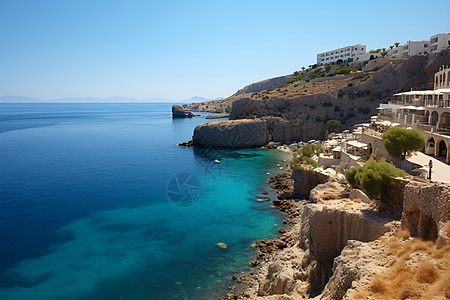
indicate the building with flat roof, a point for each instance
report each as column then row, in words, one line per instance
column 410, row 48
column 436, row 43
column 341, row 55
column 439, row 42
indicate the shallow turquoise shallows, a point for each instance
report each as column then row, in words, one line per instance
column 98, row 202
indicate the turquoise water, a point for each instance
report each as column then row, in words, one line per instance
column 88, row 208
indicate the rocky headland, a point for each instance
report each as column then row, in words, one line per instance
column 180, row 112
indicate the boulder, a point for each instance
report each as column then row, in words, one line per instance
column 237, row 134
column 180, row 112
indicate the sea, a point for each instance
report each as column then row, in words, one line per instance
column 97, row 201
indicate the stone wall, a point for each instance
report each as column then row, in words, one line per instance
column 426, row 208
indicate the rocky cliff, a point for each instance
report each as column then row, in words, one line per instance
column 305, row 107
column 232, row 134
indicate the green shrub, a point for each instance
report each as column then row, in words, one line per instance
column 327, row 104
column 312, row 106
column 218, row 110
column 305, row 154
column 337, row 108
column 228, row 109
column 340, row 94
column 318, row 119
column 375, row 178
column 350, row 84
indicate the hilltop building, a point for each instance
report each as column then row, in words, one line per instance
column 342, row 55
column 410, row 48
column 436, row 43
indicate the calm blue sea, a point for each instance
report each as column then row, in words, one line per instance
column 98, row 202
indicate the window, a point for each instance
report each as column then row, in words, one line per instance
column 425, row 45
column 342, row 55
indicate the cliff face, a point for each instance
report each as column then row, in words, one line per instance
column 267, row 84
column 232, row 134
column 350, row 99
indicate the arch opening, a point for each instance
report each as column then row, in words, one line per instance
column 442, row 149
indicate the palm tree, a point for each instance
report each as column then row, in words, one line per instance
column 396, row 44
column 391, row 47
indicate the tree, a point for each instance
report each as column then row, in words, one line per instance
column 228, row 109
column 402, row 142
column 396, row 44
column 391, row 47
column 333, row 125
column 303, row 68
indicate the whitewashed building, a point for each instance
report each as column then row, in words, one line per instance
column 410, row 48
column 341, row 55
column 439, row 42
column 436, row 43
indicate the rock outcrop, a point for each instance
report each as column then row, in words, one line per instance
column 180, row 112
column 426, row 208
column 326, row 229
column 232, row 134
column 305, row 181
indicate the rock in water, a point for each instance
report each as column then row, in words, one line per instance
column 180, row 112
column 222, row 245
column 238, row 134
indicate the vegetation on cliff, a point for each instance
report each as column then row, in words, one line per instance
column 375, row 178
column 313, row 72
column 402, row 142
column 302, row 158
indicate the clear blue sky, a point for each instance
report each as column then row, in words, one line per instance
column 178, row 49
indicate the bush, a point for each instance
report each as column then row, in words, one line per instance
column 304, row 155
column 312, row 106
column 350, row 84
column 318, row 119
column 218, row 110
column 333, row 125
column 228, row 109
column 340, row 94
column 327, row 104
column 337, row 108
column 374, row 178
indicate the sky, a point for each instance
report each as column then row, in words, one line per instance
column 178, row 49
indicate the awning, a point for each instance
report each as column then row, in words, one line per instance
column 357, row 144
column 413, row 107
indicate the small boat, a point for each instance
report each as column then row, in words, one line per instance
column 217, row 161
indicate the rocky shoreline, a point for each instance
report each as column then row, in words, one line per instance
column 270, row 250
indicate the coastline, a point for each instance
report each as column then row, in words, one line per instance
column 281, row 248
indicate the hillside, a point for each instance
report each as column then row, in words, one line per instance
column 300, row 109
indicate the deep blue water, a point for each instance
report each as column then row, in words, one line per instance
column 90, row 207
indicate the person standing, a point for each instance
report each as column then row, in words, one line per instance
column 430, row 166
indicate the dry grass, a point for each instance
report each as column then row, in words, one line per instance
column 447, row 226
column 418, row 271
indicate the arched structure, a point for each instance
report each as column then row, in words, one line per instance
column 434, row 118
column 442, row 150
column 430, row 146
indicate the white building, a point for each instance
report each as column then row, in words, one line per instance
column 436, row 43
column 343, row 55
column 410, row 48
column 439, row 42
